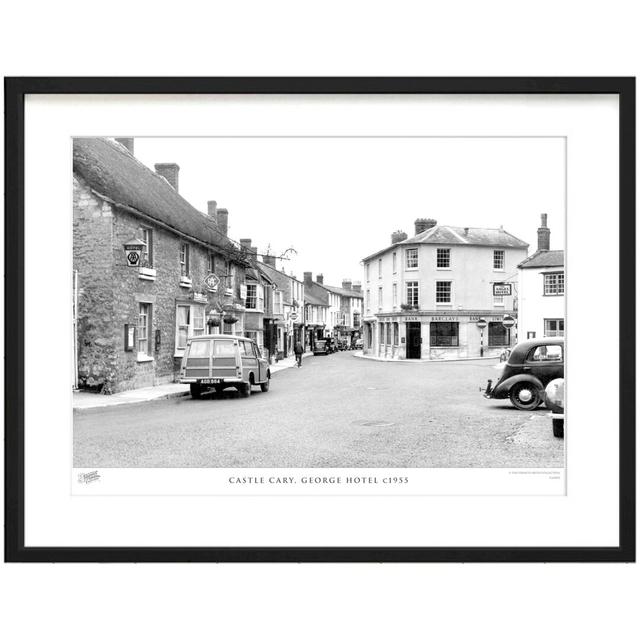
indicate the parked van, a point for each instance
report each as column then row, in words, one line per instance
column 219, row 361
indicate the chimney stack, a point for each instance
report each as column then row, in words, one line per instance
column 246, row 243
column 544, row 234
column 126, row 142
column 308, row 277
column 270, row 260
column 398, row 236
column 320, row 279
column 222, row 218
column 212, row 209
column 169, row 171
column 422, row 224
column 346, row 284
column 357, row 286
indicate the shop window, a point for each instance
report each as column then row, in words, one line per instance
column 395, row 334
column 554, row 328
column 443, row 292
column 554, row 284
column 443, row 258
column 498, row 260
column 498, row 335
column 444, row 334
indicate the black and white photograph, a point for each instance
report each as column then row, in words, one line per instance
column 319, row 302
column 359, row 317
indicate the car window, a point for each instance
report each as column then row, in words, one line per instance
column 256, row 350
column 199, row 349
column 224, row 348
column 246, row 348
column 546, row 353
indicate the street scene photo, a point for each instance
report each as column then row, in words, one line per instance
column 318, row 302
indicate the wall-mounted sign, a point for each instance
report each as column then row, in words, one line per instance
column 133, row 251
column 129, row 337
column 501, row 288
column 211, row 282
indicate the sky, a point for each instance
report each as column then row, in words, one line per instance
column 337, row 200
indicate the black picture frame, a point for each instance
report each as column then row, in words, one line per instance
column 15, row 91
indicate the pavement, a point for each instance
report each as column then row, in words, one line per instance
column 359, row 354
column 89, row 400
column 335, row 411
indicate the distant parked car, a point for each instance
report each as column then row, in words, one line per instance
column 554, row 399
column 530, row 367
column 321, row 348
column 359, row 343
column 220, row 361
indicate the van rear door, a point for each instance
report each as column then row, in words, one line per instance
column 198, row 359
column 224, row 360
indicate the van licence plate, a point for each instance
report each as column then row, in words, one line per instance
column 210, row 380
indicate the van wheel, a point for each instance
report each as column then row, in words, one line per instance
column 196, row 390
column 558, row 427
column 525, row 396
column 244, row 390
column 264, row 386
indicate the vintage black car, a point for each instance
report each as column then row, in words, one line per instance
column 530, row 367
column 321, row 348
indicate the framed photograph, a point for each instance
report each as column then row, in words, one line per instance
column 320, row 319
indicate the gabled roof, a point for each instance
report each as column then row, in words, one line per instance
column 543, row 258
column 113, row 173
column 309, row 298
column 470, row 236
column 348, row 293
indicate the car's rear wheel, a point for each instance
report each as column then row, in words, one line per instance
column 244, row 390
column 196, row 390
column 558, row 427
column 525, row 396
column 264, row 386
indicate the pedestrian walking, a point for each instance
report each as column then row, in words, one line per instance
column 298, row 350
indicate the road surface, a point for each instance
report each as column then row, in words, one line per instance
column 335, row 411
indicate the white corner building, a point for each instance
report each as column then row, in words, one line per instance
column 429, row 296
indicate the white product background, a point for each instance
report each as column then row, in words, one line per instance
column 586, row 516
column 314, row 601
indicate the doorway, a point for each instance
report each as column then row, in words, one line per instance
column 414, row 341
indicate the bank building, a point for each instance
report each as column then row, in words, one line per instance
column 445, row 293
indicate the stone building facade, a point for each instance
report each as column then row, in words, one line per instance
column 132, row 323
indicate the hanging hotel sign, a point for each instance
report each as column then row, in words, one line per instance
column 211, row 282
column 501, row 288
